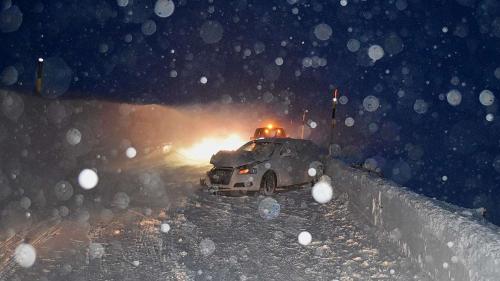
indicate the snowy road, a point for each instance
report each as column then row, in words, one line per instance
column 246, row 246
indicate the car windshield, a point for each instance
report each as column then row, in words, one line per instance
column 262, row 149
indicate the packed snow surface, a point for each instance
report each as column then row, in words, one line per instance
column 216, row 238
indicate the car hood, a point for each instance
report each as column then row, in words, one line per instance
column 235, row 158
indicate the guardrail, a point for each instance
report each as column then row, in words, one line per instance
column 447, row 243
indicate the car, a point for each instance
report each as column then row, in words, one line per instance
column 265, row 165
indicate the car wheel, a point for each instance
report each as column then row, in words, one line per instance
column 268, row 184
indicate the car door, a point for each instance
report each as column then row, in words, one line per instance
column 285, row 164
column 301, row 164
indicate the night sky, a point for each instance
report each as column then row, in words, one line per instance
column 418, row 79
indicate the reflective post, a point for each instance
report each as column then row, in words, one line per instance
column 303, row 123
column 39, row 77
column 334, row 109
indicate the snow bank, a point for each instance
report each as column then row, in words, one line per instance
column 446, row 243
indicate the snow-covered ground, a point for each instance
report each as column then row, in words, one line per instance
column 90, row 191
column 446, row 241
column 212, row 238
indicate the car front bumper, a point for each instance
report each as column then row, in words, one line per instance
column 248, row 182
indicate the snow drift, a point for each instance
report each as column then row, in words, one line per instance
column 448, row 243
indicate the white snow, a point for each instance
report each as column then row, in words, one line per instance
column 63, row 190
column 420, row 106
column 207, row 247
column 164, row 8
column 375, row 52
column 136, row 263
column 323, row 31
column 305, row 238
column 122, row 3
column 5, row 4
column 25, row 255
column 353, row 45
column 128, row 38
column 343, row 3
column 73, row 136
column 278, row 61
column 269, row 208
column 454, row 97
column 486, row 97
column 96, row 250
column 121, row 200
column 11, row 19
column 165, row 227
column 88, row 179
column 401, row 5
column 25, row 202
column 131, row 152
column 9, row 75
column 58, row 77
column 148, row 27
column 490, row 117
column 203, row 80
column 311, row 172
column 421, row 222
column 371, row 103
column 322, row 192
column 211, row 32
column 393, row 44
column 343, row 100
column 373, row 127
column 349, row 121
column 103, row 48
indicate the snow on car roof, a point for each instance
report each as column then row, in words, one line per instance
column 281, row 140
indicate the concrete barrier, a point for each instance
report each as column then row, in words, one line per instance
column 446, row 242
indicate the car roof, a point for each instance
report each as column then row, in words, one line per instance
column 281, row 140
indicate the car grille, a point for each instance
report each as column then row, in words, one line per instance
column 220, row 175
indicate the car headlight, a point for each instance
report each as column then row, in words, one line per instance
column 245, row 170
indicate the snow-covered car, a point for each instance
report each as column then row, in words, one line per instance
column 265, row 165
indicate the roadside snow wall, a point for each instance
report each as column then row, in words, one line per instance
column 447, row 244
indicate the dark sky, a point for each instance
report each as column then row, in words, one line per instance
column 431, row 131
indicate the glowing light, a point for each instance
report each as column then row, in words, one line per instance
column 270, row 126
column 244, row 171
column 200, row 153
